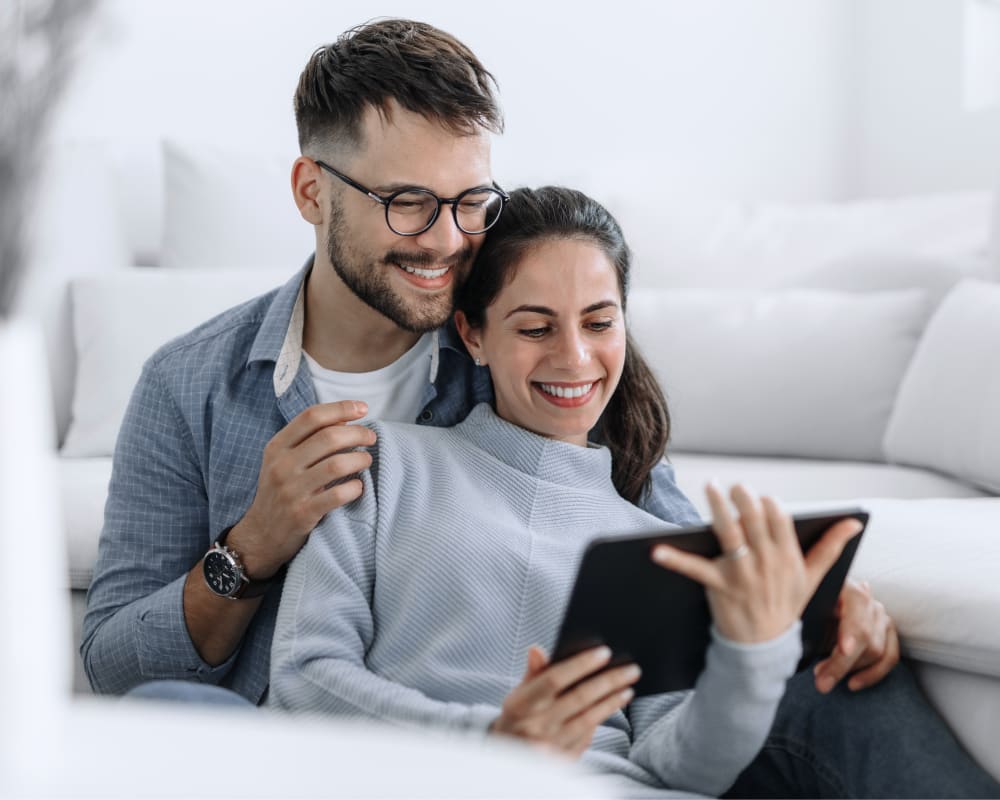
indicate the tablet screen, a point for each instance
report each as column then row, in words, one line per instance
column 660, row 620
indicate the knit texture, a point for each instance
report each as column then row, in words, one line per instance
column 417, row 603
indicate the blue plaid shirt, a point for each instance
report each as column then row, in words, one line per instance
column 186, row 466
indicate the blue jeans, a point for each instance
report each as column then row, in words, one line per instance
column 188, row 692
column 885, row 741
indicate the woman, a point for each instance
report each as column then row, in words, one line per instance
column 417, row 603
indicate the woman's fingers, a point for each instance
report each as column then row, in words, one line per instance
column 698, row 568
column 780, row 525
column 752, row 519
column 540, row 691
column 594, row 691
column 824, row 554
column 726, row 528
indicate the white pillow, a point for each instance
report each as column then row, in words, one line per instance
column 947, row 416
column 75, row 228
column 230, row 209
column 789, row 373
column 119, row 319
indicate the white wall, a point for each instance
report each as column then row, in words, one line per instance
column 713, row 102
column 910, row 132
column 714, row 99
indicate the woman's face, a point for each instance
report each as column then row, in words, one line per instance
column 554, row 340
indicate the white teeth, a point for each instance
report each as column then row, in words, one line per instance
column 425, row 273
column 562, row 391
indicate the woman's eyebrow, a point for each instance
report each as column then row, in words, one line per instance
column 549, row 312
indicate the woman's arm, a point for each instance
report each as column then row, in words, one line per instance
column 701, row 740
column 325, row 628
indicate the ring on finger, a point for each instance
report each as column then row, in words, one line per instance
column 736, row 553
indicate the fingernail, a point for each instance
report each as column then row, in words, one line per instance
column 626, row 695
column 632, row 672
column 602, row 654
column 360, row 408
column 825, row 684
column 661, row 555
column 854, row 684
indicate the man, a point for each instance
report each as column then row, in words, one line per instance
column 236, row 441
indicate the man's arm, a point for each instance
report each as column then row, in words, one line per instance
column 150, row 614
column 156, row 530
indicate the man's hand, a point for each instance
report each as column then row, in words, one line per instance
column 306, row 472
column 867, row 645
column 559, row 706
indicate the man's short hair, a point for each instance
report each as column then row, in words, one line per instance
column 425, row 70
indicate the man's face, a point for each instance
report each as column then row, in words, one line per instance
column 409, row 279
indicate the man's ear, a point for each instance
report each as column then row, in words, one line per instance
column 472, row 337
column 305, row 189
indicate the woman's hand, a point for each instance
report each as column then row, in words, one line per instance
column 762, row 582
column 543, row 708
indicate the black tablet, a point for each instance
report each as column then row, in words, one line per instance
column 660, row 620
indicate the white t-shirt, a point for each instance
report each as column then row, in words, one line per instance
column 392, row 393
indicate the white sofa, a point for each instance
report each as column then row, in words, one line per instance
column 853, row 358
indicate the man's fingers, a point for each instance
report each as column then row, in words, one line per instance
column 320, row 416
column 698, row 568
column 831, row 670
column 328, row 441
column 877, row 671
column 331, row 471
column 827, row 550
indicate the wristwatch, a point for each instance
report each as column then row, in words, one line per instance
column 227, row 577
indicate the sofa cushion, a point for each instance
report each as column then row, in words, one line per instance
column 946, row 416
column 120, row 318
column 229, row 209
column 83, row 485
column 803, row 481
column 806, row 373
column 934, row 564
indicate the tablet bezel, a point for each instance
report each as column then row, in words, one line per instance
column 617, row 583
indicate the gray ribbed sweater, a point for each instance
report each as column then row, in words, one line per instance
column 416, row 603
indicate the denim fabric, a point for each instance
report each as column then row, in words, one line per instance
column 186, row 466
column 885, row 741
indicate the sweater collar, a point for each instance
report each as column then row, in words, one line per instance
column 548, row 459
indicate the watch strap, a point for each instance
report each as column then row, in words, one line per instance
column 250, row 588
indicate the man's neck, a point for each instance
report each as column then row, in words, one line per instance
column 344, row 334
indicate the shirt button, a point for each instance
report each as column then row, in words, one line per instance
column 426, row 415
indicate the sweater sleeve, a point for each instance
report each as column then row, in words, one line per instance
column 325, row 627
column 701, row 740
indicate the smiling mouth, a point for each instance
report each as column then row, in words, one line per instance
column 429, row 274
column 567, row 395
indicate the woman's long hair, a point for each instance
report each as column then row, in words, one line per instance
column 635, row 425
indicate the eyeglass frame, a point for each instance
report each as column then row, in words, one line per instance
column 452, row 201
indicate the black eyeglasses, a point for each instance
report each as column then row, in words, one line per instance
column 410, row 212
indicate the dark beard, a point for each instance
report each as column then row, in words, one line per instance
column 370, row 282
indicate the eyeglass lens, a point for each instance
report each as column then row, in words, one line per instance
column 475, row 210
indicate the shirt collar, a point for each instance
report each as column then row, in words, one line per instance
column 280, row 336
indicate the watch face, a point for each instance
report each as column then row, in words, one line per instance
column 221, row 573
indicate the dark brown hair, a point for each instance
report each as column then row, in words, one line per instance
column 635, row 426
column 425, row 70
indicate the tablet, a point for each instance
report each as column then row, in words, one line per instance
column 660, row 619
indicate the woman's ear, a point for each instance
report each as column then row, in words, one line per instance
column 472, row 337
column 305, row 189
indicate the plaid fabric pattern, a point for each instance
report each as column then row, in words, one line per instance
column 186, row 465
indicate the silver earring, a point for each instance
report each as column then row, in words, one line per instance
column 478, row 362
